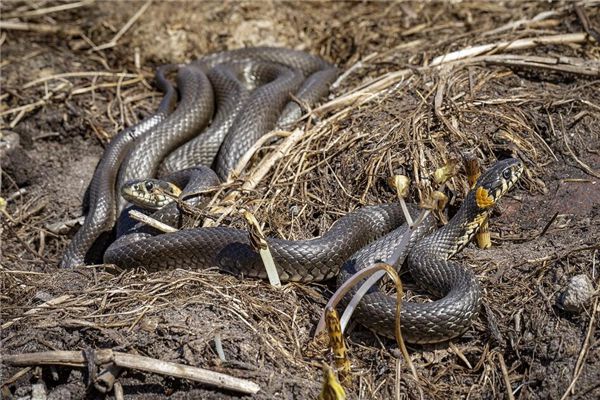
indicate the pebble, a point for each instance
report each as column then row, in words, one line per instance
column 577, row 294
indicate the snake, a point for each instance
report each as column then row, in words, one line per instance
column 361, row 238
column 251, row 89
column 226, row 101
column 102, row 214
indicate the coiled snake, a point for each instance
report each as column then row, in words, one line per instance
column 262, row 80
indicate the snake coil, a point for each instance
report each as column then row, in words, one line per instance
column 251, row 89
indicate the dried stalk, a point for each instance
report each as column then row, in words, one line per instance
column 40, row 28
column 113, row 42
column 141, row 217
column 49, row 10
column 131, row 361
column 518, row 44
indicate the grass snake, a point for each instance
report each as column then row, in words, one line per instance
column 250, row 91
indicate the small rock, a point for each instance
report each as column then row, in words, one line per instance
column 577, row 293
column 8, row 142
column 43, row 296
column 38, row 391
column 295, row 210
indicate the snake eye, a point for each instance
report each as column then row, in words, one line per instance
column 149, row 186
column 506, row 174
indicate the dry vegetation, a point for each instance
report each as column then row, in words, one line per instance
column 74, row 74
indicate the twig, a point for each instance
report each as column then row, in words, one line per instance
column 267, row 163
column 373, row 273
column 26, row 107
column 4, row 224
column 505, row 376
column 460, row 355
column 517, row 24
column 131, row 361
column 80, row 74
column 125, row 28
column 518, row 44
column 548, row 224
column 34, row 310
column 562, row 64
column 107, row 85
column 589, row 103
column 358, row 65
column 397, row 331
column 373, row 88
column 20, row 111
column 49, row 10
column 401, row 184
column 36, row 207
column 345, row 288
column 395, row 258
column 438, row 99
column 376, row 87
column 583, row 165
column 41, row 28
column 17, row 376
column 138, row 216
column 584, row 350
column 364, row 93
column 243, row 161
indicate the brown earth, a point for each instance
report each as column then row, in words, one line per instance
column 544, row 232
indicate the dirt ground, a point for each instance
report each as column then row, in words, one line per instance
column 74, row 75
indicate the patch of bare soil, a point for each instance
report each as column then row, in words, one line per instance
column 74, row 74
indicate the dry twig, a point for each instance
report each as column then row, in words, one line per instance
column 584, row 350
column 49, row 10
column 114, row 41
column 518, row 44
column 131, row 361
column 141, row 217
column 41, row 28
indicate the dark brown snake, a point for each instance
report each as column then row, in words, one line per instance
column 359, row 239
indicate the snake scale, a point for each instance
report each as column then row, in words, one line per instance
column 226, row 102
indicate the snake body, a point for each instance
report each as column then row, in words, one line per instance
column 103, row 211
column 230, row 93
column 137, row 152
column 428, row 261
column 359, row 239
column 261, row 80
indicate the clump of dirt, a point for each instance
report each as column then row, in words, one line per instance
column 74, row 76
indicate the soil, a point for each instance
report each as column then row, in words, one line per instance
column 55, row 124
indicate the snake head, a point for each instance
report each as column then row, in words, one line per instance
column 496, row 181
column 150, row 194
